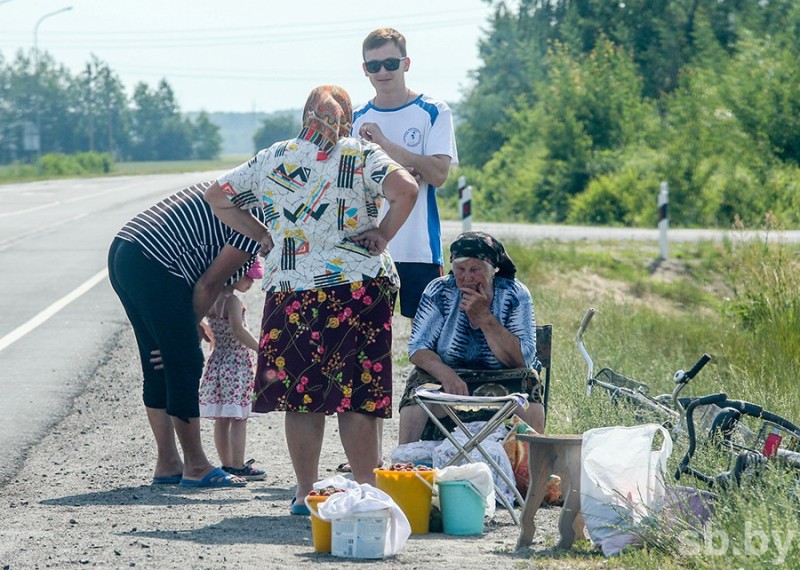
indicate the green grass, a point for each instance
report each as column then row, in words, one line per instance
column 735, row 301
column 173, row 167
column 27, row 172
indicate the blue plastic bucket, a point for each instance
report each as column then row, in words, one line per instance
column 462, row 507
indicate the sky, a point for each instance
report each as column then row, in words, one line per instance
column 250, row 55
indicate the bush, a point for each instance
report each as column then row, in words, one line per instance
column 56, row 164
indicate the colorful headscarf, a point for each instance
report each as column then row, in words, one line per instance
column 481, row 245
column 327, row 118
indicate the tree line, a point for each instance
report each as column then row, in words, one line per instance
column 577, row 112
column 580, row 108
column 90, row 112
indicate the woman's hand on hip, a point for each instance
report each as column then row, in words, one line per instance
column 372, row 240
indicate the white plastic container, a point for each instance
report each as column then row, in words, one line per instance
column 362, row 535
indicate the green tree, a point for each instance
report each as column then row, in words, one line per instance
column 158, row 130
column 103, row 109
column 207, row 141
column 589, row 110
column 276, row 127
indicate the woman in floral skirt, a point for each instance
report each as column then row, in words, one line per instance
column 330, row 285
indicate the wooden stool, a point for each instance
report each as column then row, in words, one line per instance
column 553, row 455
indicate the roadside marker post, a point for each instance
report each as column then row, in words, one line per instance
column 663, row 219
column 465, row 203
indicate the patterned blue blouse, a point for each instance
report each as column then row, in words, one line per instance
column 442, row 327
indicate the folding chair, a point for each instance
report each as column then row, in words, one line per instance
column 504, row 406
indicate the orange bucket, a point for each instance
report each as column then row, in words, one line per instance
column 412, row 491
column 320, row 529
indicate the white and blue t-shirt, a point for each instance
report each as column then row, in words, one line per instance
column 423, row 126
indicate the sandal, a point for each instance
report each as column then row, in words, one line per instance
column 167, row 479
column 298, row 508
column 345, row 467
column 247, row 471
column 217, row 478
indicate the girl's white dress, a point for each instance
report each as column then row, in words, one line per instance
column 226, row 390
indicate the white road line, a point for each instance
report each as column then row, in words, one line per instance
column 68, row 201
column 4, row 245
column 29, row 210
column 24, row 329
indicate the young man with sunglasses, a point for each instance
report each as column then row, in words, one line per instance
column 416, row 131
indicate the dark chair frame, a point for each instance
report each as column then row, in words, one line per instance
column 544, row 352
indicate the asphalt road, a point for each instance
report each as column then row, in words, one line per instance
column 58, row 314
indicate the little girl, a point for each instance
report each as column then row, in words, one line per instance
column 226, row 391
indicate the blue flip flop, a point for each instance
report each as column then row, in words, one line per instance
column 217, row 478
column 299, row 508
column 167, row 480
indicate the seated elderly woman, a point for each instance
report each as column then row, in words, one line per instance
column 478, row 317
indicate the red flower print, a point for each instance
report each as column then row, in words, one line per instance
column 300, row 388
column 281, row 374
column 367, row 300
column 377, row 367
column 387, row 325
column 367, row 364
column 296, row 305
column 348, row 311
column 315, row 335
column 289, row 309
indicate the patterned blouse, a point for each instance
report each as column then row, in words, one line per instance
column 442, row 327
column 312, row 207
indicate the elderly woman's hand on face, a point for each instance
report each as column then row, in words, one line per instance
column 476, row 303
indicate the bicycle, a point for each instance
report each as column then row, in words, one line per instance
column 777, row 438
column 666, row 409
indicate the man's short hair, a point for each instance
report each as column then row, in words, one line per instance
column 381, row 36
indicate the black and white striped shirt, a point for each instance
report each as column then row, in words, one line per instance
column 182, row 233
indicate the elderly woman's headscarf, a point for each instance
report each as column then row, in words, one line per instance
column 327, row 118
column 481, row 245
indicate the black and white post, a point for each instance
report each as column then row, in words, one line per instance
column 465, row 203
column 663, row 219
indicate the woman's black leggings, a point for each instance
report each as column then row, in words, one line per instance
column 159, row 306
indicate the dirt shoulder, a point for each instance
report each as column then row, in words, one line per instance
column 82, row 498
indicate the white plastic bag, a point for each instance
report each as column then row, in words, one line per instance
column 479, row 474
column 363, row 499
column 622, row 480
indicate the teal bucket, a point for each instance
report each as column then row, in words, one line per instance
column 462, row 507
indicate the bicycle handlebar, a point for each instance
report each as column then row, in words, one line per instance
column 682, row 379
column 686, row 376
column 746, row 457
column 584, row 324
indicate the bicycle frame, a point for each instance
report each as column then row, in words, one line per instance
column 634, row 392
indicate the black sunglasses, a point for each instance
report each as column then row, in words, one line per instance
column 390, row 63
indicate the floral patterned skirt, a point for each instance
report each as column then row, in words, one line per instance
column 327, row 350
